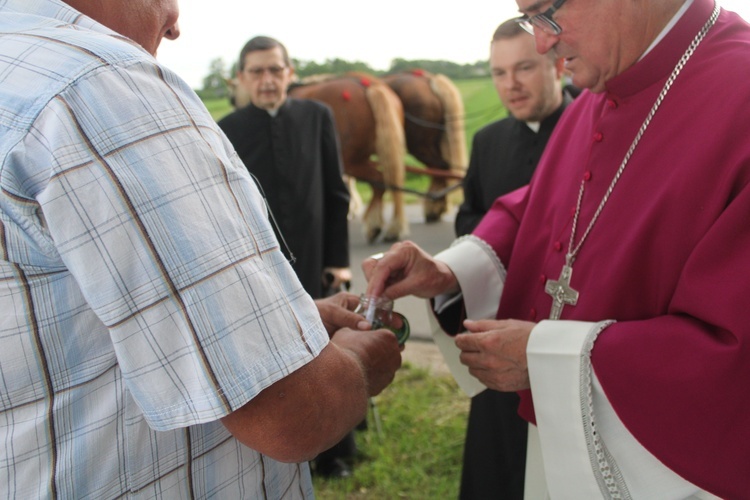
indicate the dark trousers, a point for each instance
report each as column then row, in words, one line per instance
column 346, row 449
column 495, row 449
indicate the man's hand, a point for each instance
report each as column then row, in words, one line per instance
column 337, row 311
column 406, row 269
column 335, row 277
column 311, row 409
column 495, row 352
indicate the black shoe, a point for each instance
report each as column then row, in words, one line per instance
column 332, row 468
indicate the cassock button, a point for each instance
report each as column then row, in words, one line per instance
column 612, row 103
column 532, row 314
column 557, row 246
column 543, row 279
column 587, row 175
column 598, row 137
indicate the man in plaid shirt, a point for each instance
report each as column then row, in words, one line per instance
column 154, row 342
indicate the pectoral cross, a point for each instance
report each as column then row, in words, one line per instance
column 561, row 293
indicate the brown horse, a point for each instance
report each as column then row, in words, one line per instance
column 434, row 128
column 369, row 121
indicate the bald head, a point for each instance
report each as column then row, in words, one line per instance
column 146, row 22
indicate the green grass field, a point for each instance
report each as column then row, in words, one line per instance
column 418, row 455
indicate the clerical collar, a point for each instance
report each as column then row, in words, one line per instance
column 273, row 112
column 552, row 118
column 668, row 27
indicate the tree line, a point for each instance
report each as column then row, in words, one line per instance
column 214, row 83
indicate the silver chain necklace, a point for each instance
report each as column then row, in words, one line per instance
column 560, row 291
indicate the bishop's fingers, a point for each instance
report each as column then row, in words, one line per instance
column 378, row 269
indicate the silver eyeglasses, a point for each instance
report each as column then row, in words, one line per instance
column 542, row 21
column 274, row 71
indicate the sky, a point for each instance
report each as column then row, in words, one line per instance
column 374, row 32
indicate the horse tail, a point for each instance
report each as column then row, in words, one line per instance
column 453, row 143
column 390, row 143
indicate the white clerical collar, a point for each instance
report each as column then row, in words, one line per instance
column 668, row 27
column 534, row 126
column 273, row 112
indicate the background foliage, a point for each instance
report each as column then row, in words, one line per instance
column 214, row 85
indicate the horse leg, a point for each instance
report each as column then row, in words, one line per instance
column 355, row 200
column 394, row 175
column 373, row 216
column 398, row 226
column 434, row 208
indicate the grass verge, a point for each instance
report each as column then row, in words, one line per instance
column 418, row 455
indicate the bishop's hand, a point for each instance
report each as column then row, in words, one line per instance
column 495, row 352
column 406, row 269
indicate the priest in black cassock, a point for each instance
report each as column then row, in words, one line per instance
column 291, row 147
column 504, row 155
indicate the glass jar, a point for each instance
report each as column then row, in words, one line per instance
column 378, row 311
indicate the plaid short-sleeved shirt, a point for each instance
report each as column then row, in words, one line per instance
column 142, row 292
